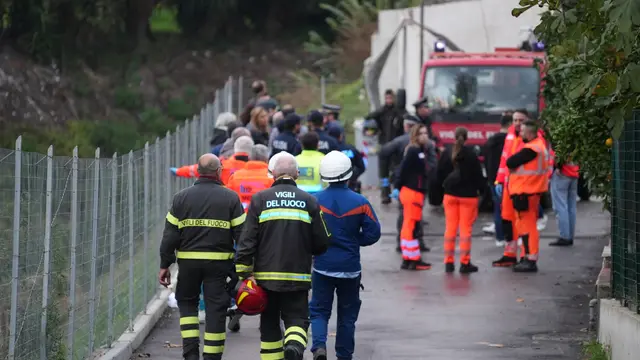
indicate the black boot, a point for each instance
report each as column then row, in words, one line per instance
column 293, row 352
column 385, row 191
column 449, row 267
column 320, row 354
column 418, row 265
column 468, row 268
column 562, row 242
column 405, row 265
column 526, row 265
column 234, row 322
column 505, row 261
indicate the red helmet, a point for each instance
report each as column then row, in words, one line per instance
column 251, row 299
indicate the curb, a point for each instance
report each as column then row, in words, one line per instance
column 129, row 342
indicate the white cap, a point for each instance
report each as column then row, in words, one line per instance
column 335, row 167
column 272, row 162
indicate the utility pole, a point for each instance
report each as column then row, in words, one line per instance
column 421, row 34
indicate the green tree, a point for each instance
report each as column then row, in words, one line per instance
column 592, row 78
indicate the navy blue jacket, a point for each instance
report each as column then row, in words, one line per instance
column 327, row 142
column 352, row 222
column 357, row 162
column 286, row 141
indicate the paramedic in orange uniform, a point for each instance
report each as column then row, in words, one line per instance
column 253, row 178
column 528, row 180
column 241, row 149
column 460, row 173
column 411, row 185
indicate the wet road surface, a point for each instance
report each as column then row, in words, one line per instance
column 494, row 314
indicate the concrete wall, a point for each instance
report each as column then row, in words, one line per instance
column 619, row 329
column 475, row 26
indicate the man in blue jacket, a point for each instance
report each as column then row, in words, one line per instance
column 353, row 223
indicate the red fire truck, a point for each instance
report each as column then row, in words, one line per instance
column 474, row 89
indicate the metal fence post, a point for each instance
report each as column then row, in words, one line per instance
column 72, row 258
column 15, row 262
column 157, row 202
column 240, row 85
column 46, row 276
column 217, row 108
column 168, row 192
column 194, row 150
column 112, row 247
column 145, row 222
column 203, row 130
column 230, row 95
column 94, row 249
column 131, row 248
column 323, row 90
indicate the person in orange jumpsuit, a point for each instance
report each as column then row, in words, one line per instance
column 410, row 187
column 241, row 149
column 253, row 178
column 528, row 180
column 460, row 173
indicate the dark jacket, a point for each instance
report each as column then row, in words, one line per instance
column 389, row 121
column 464, row 179
column 219, row 137
column 357, row 162
column 286, row 141
column 327, row 142
column 390, row 155
column 203, row 222
column 352, row 223
column 492, row 152
column 259, row 136
column 415, row 168
column 284, row 229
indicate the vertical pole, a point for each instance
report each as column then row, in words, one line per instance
column 178, row 156
column 157, row 203
column 17, row 178
column 217, row 105
column 72, row 258
column 145, row 222
column 112, row 247
column 186, row 159
column 422, row 4
column 240, row 86
column 195, row 150
column 168, row 192
column 323, row 90
column 131, row 249
column 403, row 65
column 94, row 249
column 47, row 254
column 230, row 99
column 203, row 131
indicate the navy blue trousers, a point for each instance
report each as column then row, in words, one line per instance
column 348, row 291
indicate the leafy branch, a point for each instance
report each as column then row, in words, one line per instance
column 592, row 78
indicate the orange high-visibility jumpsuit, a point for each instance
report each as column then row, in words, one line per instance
column 531, row 179
column 233, row 164
column 250, row 180
column 412, row 203
column 460, row 212
column 188, row 171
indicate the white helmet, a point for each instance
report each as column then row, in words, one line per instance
column 335, row 167
column 272, row 163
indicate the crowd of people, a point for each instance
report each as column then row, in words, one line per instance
column 269, row 180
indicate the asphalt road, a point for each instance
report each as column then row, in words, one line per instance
column 494, row 314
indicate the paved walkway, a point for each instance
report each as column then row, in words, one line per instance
column 494, row 314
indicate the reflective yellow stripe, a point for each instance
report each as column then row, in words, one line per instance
column 212, row 223
column 284, row 214
column 204, row 255
column 326, row 230
column 243, row 268
column 271, row 345
column 215, row 336
column 291, row 329
column 274, row 356
column 189, row 320
column 239, row 220
column 298, row 338
column 282, row 276
column 172, row 219
column 208, row 349
column 190, row 333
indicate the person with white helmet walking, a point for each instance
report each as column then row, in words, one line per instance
column 351, row 220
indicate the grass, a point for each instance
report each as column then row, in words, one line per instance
column 596, row 351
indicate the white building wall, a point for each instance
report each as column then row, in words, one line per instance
column 474, row 25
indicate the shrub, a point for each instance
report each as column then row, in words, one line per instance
column 128, row 98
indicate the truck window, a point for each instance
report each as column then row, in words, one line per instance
column 486, row 89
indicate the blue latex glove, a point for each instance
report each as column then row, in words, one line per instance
column 173, row 170
column 498, row 188
column 395, row 194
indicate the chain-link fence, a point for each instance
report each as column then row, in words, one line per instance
column 80, row 238
column 625, row 230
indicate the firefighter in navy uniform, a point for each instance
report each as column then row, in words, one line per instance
column 280, row 266
column 200, row 229
column 357, row 162
column 331, row 115
column 315, row 120
column 287, row 139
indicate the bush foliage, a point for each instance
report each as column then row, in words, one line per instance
column 592, row 78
